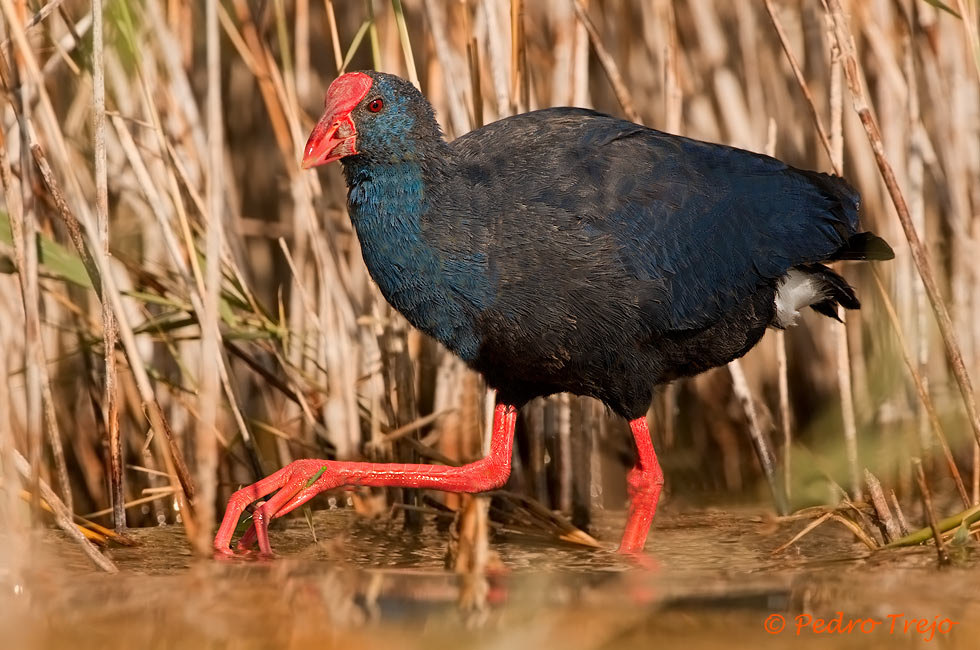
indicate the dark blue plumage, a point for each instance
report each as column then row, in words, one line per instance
column 567, row 250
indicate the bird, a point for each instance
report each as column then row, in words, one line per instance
column 566, row 250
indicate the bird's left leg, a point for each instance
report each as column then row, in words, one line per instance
column 300, row 481
column 645, row 481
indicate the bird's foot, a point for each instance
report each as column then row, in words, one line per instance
column 296, row 483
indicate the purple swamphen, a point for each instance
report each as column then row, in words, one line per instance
column 567, row 250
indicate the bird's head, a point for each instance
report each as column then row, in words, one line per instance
column 377, row 115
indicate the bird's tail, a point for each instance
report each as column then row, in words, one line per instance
column 815, row 286
column 864, row 246
column 830, row 289
column 834, row 289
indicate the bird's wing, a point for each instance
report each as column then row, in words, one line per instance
column 717, row 223
column 711, row 224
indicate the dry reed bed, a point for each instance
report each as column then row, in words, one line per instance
column 197, row 314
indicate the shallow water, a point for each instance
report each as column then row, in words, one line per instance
column 709, row 580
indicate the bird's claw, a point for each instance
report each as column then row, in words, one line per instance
column 293, row 485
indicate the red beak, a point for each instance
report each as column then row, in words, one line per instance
column 335, row 135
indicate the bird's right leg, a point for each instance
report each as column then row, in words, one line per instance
column 301, row 480
column 645, row 481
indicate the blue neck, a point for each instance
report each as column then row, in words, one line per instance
column 387, row 204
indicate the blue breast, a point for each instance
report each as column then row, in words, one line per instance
column 430, row 286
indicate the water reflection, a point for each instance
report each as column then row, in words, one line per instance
column 711, row 582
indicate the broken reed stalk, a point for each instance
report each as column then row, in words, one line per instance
column 892, row 531
column 920, row 255
column 903, row 524
column 209, row 396
column 110, row 409
column 763, row 447
column 844, row 379
column 920, row 477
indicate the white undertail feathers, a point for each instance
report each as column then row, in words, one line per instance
column 797, row 289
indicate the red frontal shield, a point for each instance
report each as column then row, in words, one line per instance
column 335, row 135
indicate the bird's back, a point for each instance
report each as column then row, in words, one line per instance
column 708, row 220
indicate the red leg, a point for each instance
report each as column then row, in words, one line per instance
column 645, row 481
column 293, row 481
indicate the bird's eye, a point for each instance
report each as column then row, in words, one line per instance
column 376, row 105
